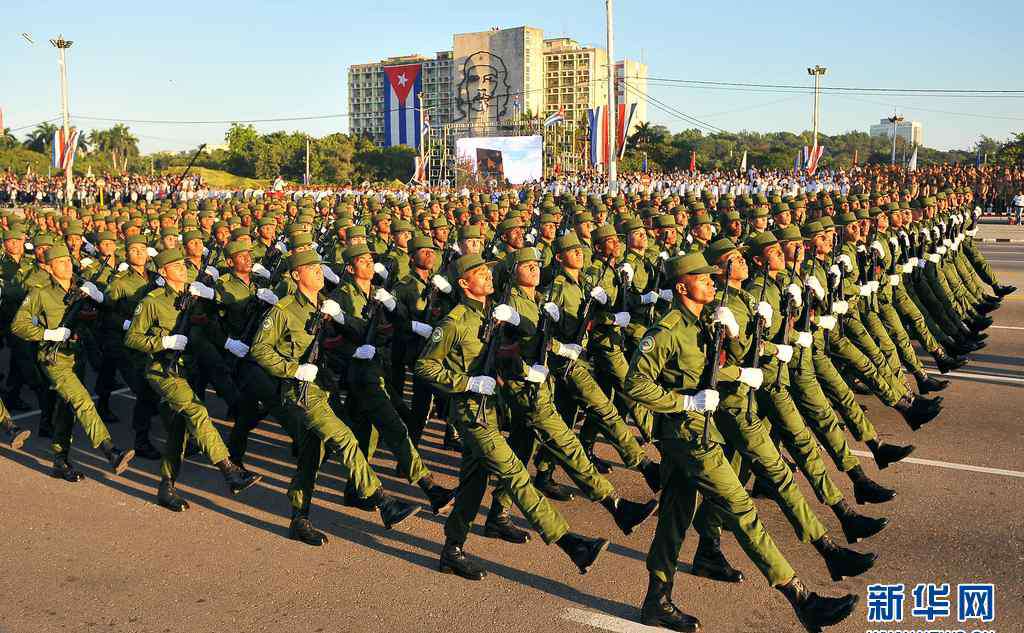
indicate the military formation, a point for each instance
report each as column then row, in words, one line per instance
column 698, row 335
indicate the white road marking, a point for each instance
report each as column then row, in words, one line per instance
column 1006, row 327
column 1005, row 261
column 953, row 466
column 607, row 622
column 983, row 377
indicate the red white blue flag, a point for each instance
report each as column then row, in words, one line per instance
column 811, row 157
column 598, row 119
column 402, row 87
column 64, row 148
column 555, row 117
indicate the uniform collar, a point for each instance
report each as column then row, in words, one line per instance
column 473, row 304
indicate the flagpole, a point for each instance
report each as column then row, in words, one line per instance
column 62, row 71
column 612, row 106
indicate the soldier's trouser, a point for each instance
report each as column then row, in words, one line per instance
column 184, row 413
column 890, row 323
column 780, row 410
column 73, row 403
column 892, row 340
column 845, row 350
column 610, row 367
column 485, row 452
column 534, row 419
column 23, row 360
column 131, row 365
column 601, row 414
column 749, row 436
column 213, row 369
column 840, row 394
column 687, row 468
column 905, row 310
column 819, row 415
column 259, row 398
column 373, row 416
column 979, row 263
column 316, row 415
column 857, row 334
column 422, row 397
column 936, row 306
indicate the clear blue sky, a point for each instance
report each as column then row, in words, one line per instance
column 249, row 60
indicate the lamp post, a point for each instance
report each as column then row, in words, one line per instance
column 817, row 72
column 62, row 45
column 895, row 119
column 612, row 106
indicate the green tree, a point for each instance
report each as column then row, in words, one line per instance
column 41, row 138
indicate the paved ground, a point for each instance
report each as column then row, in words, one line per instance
column 101, row 556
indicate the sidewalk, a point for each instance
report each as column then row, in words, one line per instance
column 992, row 229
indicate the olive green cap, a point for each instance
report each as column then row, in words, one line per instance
column 585, row 216
column 690, row 264
column 719, row 247
column 14, row 234
column 168, row 256
column 826, row 222
column 699, row 218
column 664, row 221
column 398, row 226
column 242, row 231
column 567, row 242
column 789, row 234
column 469, row 232
column 602, row 232
column 506, row 225
column 74, row 227
column 106, row 235
column 46, row 239
column 438, row 223
column 421, row 241
column 812, row 228
column 629, row 225
column 301, row 238
column 845, row 218
column 467, row 263
column 188, row 236
column 56, row 252
column 236, row 247
column 354, row 251
column 135, row 239
column 526, row 254
column 760, row 240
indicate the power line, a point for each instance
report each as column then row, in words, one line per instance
column 921, row 91
column 671, row 110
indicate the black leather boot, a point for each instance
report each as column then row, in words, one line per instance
column 947, row 363
column 301, row 529
column 814, row 611
column 499, row 525
column 710, row 562
column 843, row 562
column 168, row 497
column 144, row 449
column 929, row 384
column 857, row 526
column 236, row 478
column 867, row 491
column 441, row 499
column 62, row 469
column 455, row 561
column 601, row 465
column 14, row 435
column 583, row 550
column 915, row 412
column 118, row 458
column 452, row 441
column 652, row 474
column 658, row 609
column 886, row 454
column 393, row 511
column 545, row 482
column 628, row 514
column 1003, row 290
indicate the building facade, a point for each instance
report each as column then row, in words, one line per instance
column 910, row 131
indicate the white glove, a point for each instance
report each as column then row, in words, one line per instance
column 306, row 372
column 201, row 290
column 665, row 295
column 804, row 339
column 261, row 270
column 381, row 270
column 483, row 385
column 724, row 316
column 765, row 311
column 941, row 250
column 599, row 295
column 89, row 248
column 29, row 246
column 266, row 295
column 568, row 350
column 913, row 261
column 123, row 266
column 58, row 335
column 531, row 239
column 752, row 377
column 215, row 274
column 126, row 324
column 174, row 341
column 797, row 295
column 840, row 307
column 826, row 321
column 972, row 232
column 329, row 274
column 151, row 251
column 386, row 298
column 622, row 319
column 506, row 314
column 894, row 241
column 281, row 247
column 663, row 255
column 924, row 262
column 441, row 284
column 864, row 290
column 894, row 280
column 331, row 308
column 815, row 286
column 648, row 298
column 238, row 348
column 703, row 401
column 946, row 242
column 537, row 374
column 861, row 248
column 553, row 312
column 784, row 353
column 365, row 352
column 86, row 262
column 873, row 284
column 877, row 247
column 626, row 269
column 977, row 212
column 159, row 281
column 421, row 329
column 906, row 268
column 94, row 293
column 206, row 251
column 844, row 259
column 934, row 258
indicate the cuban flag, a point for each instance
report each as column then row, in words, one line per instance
column 63, row 151
column 555, row 117
column 598, row 119
column 811, row 157
column 401, row 105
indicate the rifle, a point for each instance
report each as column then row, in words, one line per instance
column 759, row 328
column 655, row 287
column 447, row 255
column 718, row 334
column 786, row 313
column 315, row 327
column 174, row 189
column 184, row 303
column 75, row 299
column 490, row 340
column 872, row 264
column 581, row 331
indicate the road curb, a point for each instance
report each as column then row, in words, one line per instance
column 998, row 240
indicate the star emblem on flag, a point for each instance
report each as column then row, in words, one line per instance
column 402, row 80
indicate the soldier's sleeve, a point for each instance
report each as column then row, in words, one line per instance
column 405, row 308
column 431, row 365
column 25, row 325
column 355, row 325
column 264, row 345
column 138, row 336
column 655, row 350
column 526, row 327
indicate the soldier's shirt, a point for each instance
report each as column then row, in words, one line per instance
column 42, row 309
column 283, row 339
column 235, row 296
column 123, row 294
column 453, row 354
column 154, row 318
column 411, row 294
column 399, row 263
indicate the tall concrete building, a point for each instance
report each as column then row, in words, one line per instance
column 910, row 131
column 495, row 75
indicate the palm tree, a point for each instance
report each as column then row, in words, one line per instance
column 119, row 141
column 7, row 139
column 41, row 139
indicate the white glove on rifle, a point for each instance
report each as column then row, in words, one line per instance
column 877, row 247
column 57, row 335
column 365, row 352
column 665, row 295
column 441, row 284
column 306, row 372
column 94, row 293
column 840, row 307
column 725, row 317
column 815, row 286
column 329, row 274
column 906, row 268
column 261, row 270
column 648, row 298
column 844, row 259
column 174, row 341
column 201, row 290
column 506, row 314
column 86, row 262
column 215, row 274
column 127, row 324
column 765, row 311
column 331, row 308
column 704, row 401
column 784, row 353
column 381, row 270
column 826, row 321
column 626, row 270
column 553, row 312
column 421, row 329
column 621, row 319
column 123, row 266
column 804, row 339
column 599, row 295
column 752, row 377
column 537, row 374
column 483, row 385
column 571, row 351
column 894, row 280
column 238, row 348
column 151, row 251
column 266, row 295
column 797, row 295
column 385, row 298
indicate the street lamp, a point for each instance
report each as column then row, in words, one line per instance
column 895, row 119
column 817, row 72
column 62, row 45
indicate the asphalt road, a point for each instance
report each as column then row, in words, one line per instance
column 100, row 555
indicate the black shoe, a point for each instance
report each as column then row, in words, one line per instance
column 62, row 469
column 1002, row 291
column 394, row 511
column 658, row 609
column 886, row 454
column 546, row 484
column 986, row 308
column 455, row 561
column 499, row 525
column 979, row 323
column 144, row 449
column 947, row 363
column 629, row 514
column 452, row 441
column 867, row 491
column 929, row 384
column 441, row 499
column 15, row 436
column 118, row 458
column 652, row 474
column 583, row 550
column 236, row 478
column 353, row 500
column 301, row 529
column 916, row 412
column 843, row 562
column 860, row 388
column 857, row 526
column 710, row 562
column 169, row 498
column 601, row 465
column 815, row 611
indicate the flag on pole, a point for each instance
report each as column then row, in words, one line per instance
column 796, row 162
column 63, row 152
column 912, row 165
column 555, row 117
column 420, row 166
column 623, row 120
column 743, row 162
column 402, row 87
column 644, row 163
column 854, row 158
column 811, row 157
column 598, row 120
column 693, row 161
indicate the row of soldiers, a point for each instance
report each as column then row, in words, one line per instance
column 715, row 330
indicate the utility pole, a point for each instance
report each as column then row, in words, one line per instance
column 62, row 45
column 612, row 106
column 895, row 119
column 817, row 72
column 306, row 182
